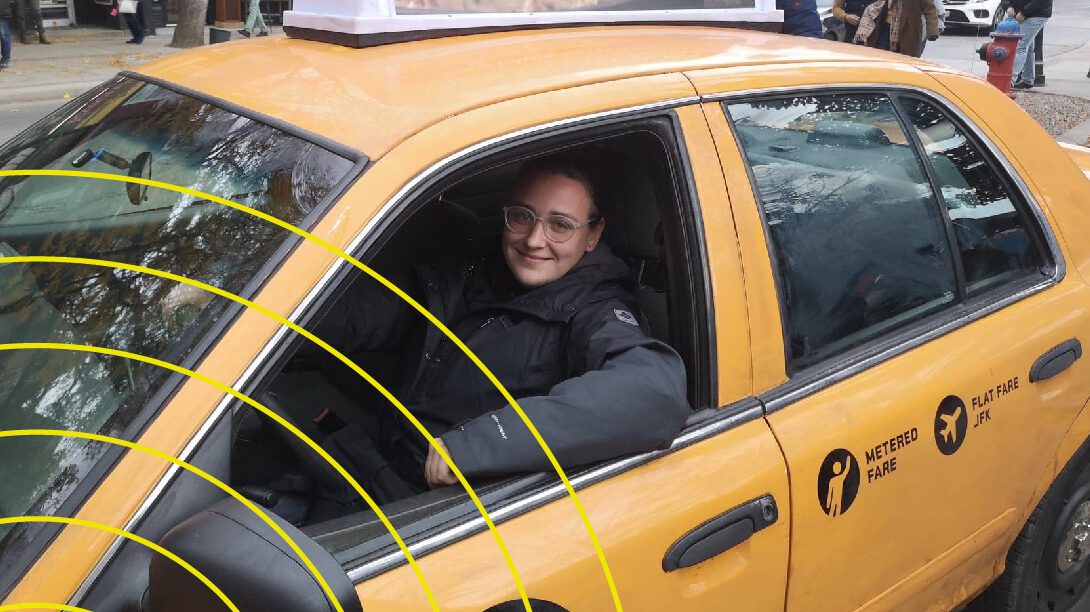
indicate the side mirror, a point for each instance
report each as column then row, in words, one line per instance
column 248, row 561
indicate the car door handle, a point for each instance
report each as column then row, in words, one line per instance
column 1056, row 360
column 721, row 533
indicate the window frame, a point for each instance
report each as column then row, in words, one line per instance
column 964, row 310
column 42, row 535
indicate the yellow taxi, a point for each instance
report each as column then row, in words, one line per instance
column 874, row 268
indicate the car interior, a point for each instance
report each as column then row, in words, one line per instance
column 638, row 195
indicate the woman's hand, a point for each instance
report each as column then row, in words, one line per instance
column 436, row 471
column 851, row 19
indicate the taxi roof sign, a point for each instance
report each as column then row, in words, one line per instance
column 365, row 23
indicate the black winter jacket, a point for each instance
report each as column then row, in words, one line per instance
column 571, row 353
column 1033, row 8
column 5, row 9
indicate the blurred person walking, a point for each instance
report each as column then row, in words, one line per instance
column 940, row 11
column 1032, row 15
column 897, row 25
column 850, row 12
column 129, row 9
column 254, row 20
column 800, row 17
column 28, row 13
column 5, row 34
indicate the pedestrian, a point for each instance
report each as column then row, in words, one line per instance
column 129, row 11
column 1032, row 15
column 918, row 20
column 28, row 13
column 940, row 10
column 5, row 34
column 850, row 12
column 800, row 17
column 897, row 25
column 254, row 20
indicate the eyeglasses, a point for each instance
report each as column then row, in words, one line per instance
column 558, row 228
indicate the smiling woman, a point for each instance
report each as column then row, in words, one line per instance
column 142, row 130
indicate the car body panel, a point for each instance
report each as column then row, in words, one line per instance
column 559, row 564
column 409, row 86
column 1081, row 156
column 964, row 515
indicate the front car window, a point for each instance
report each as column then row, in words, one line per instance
column 130, row 128
column 856, row 232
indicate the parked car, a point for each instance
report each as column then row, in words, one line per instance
column 979, row 14
column 874, row 268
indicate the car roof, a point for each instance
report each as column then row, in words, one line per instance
column 372, row 98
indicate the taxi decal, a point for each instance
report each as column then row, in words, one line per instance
column 982, row 412
column 951, row 423
column 838, row 482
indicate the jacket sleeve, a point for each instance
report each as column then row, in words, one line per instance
column 629, row 399
column 1033, row 8
column 838, row 10
column 931, row 17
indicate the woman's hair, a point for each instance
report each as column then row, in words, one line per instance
column 560, row 164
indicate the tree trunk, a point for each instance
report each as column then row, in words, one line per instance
column 190, row 29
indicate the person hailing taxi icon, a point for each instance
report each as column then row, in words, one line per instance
column 834, row 498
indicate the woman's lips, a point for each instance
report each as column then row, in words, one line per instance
column 532, row 259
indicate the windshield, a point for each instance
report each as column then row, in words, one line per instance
column 128, row 128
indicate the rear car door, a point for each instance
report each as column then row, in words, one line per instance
column 917, row 287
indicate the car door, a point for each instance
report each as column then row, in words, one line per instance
column 720, row 489
column 918, row 288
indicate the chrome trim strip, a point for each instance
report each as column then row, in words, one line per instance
column 391, row 206
column 793, row 391
column 552, row 493
column 777, row 399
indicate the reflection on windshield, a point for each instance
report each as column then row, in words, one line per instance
column 127, row 128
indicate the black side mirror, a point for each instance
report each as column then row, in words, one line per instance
column 246, row 559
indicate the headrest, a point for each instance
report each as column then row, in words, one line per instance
column 628, row 202
column 847, row 134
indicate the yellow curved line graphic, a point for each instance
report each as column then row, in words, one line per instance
column 38, row 605
column 256, row 405
column 340, row 356
column 62, row 433
column 128, row 536
column 404, row 296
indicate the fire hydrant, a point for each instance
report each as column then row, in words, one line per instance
column 1000, row 54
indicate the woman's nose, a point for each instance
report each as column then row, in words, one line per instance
column 536, row 237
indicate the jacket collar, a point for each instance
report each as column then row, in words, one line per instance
column 560, row 299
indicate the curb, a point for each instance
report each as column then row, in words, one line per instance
column 38, row 93
column 1077, row 135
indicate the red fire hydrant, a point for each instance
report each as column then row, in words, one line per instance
column 1000, row 54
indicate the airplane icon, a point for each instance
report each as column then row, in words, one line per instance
column 950, row 428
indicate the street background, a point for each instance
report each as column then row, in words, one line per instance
column 43, row 77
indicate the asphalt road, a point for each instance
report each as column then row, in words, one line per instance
column 14, row 118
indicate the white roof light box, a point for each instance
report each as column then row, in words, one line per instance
column 365, row 23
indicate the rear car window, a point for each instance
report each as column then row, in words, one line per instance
column 856, row 231
column 127, row 127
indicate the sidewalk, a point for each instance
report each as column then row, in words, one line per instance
column 78, row 59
